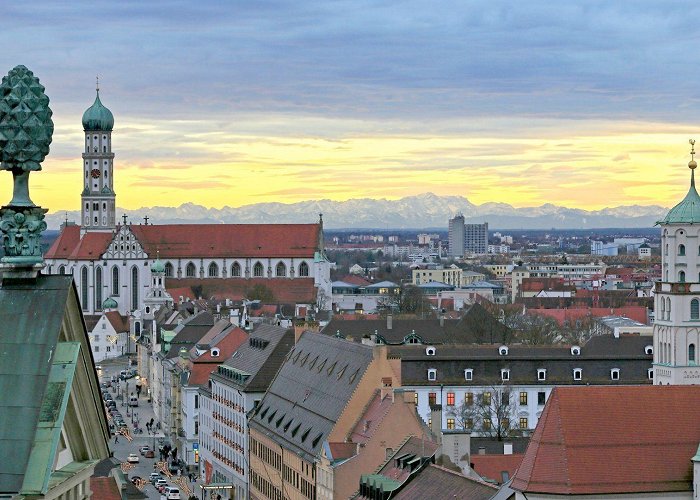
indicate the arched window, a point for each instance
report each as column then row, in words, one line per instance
column 691, row 354
column 168, row 270
column 681, row 276
column 190, row 270
column 695, row 309
column 668, row 308
column 303, row 269
column 258, row 270
column 115, row 280
column 84, row 287
column 134, row 288
column 681, row 249
column 213, row 270
column 98, row 288
column 281, row 269
column 663, row 309
column 61, row 269
column 236, row 270
column 666, row 249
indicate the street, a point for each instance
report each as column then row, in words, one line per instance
column 136, row 417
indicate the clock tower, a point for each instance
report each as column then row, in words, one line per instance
column 98, row 197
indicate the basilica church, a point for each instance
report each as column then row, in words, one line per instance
column 111, row 259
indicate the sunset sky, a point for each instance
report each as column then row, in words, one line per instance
column 586, row 104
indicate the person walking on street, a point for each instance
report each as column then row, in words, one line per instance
column 116, row 438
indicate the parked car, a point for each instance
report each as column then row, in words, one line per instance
column 172, row 493
column 133, row 458
column 160, row 485
column 149, row 454
column 155, row 476
column 143, row 450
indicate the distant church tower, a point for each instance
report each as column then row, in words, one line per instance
column 98, row 197
column 677, row 295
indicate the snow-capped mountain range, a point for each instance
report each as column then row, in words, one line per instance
column 412, row 212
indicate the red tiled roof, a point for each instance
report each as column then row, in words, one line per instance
column 267, row 310
column 342, row 450
column 119, row 323
column 227, row 346
column 228, row 240
column 539, row 284
column 607, row 440
column 105, row 488
column 637, row 313
column 284, row 290
column 64, row 245
column 438, row 483
column 354, row 279
column 491, row 466
column 91, row 246
column 183, row 291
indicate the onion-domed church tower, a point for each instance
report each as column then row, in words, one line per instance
column 677, row 295
column 98, row 197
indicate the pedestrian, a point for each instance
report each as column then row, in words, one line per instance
column 116, row 438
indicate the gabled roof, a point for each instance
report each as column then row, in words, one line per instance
column 119, row 323
column 439, row 483
column 475, row 325
column 66, row 242
column 584, row 443
column 310, row 392
column 228, row 240
column 493, row 467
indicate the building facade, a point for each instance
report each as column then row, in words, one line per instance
column 455, row 236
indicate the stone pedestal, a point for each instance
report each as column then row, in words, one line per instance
column 21, row 229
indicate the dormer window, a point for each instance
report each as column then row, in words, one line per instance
column 650, row 373
column 649, row 350
column 615, row 374
column 541, row 374
column 430, row 351
column 469, row 374
column 432, row 374
column 503, row 350
column 575, row 350
column 578, row 372
column 505, row 374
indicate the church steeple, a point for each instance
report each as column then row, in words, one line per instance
column 98, row 197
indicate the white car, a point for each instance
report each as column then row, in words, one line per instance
column 133, row 458
column 171, row 493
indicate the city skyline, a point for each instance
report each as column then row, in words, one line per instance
column 584, row 105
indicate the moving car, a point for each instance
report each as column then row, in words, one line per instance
column 132, row 458
column 143, row 450
column 171, row 493
column 155, row 476
column 149, row 454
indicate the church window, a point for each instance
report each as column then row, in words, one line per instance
column 95, row 206
column 62, row 270
column 681, row 249
column 115, row 280
column 168, row 270
column 105, row 174
column 258, row 270
column 281, row 269
column 134, row 288
column 695, row 309
column 148, row 310
column 84, row 287
column 94, row 162
column 213, row 270
column 96, row 220
column 236, row 269
column 691, row 354
column 104, row 206
column 668, row 308
column 86, row 174
column 190, row 270
column 98, row 288
column 87, row 206
column 104, row 149
column 303, row 269
column 681, row 276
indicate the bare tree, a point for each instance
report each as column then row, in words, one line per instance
column 490, row 413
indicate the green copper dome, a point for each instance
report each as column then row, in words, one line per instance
column 158, row 267
column 97, row 117
column 110, row 303
column 688, row 210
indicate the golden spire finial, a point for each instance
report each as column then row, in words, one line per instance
column 692, row 164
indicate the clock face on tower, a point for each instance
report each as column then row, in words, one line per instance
column 95, row 172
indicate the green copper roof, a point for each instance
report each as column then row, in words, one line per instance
column 158, row 267
column 688, row 210
column 97, row 117
column 110, row 303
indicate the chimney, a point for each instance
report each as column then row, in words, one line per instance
column 442, row 320
column 507, row 448
column 436, row 422
column 389, row 321
column 482, row 450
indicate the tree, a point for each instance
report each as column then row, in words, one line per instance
column 534, row 329
column 260, row 292
column 410, row 299
column 490, row 413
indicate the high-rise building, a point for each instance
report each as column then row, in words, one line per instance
column 455, row 236
column 677, row 295
column 476, row 238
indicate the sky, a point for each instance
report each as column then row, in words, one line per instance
column 585, row 104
